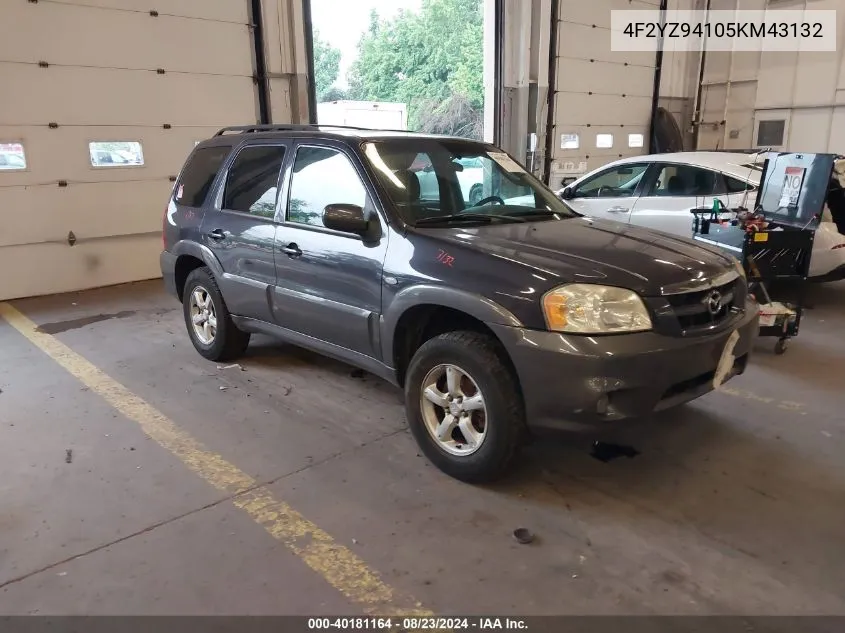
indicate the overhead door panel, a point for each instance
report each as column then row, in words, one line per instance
column 209, row 10
column 603, row 98
column 107, row 71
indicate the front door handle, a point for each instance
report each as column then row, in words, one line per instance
column 292, row 250
column 618, row 210
column 217, row 235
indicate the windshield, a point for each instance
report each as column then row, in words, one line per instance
column 434, row 181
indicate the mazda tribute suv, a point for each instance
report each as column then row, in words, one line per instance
column 496, row 310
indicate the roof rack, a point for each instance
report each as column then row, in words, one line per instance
column 286, row 127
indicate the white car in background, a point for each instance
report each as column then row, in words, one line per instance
column 658, row 191
column 470, row 176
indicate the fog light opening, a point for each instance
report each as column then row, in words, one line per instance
column 602, row 404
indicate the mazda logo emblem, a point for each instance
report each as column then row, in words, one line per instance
column 713, row 301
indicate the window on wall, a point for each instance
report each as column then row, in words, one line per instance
column 251, row 186
column 635, row 140
column 569, row 141
column 116, row 154
column 12, row 156
column 604, row 141
column 770, row 133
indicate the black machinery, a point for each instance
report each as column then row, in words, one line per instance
column 774, row 241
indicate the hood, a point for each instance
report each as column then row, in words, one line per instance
column 585, row 250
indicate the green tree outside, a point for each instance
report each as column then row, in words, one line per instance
column 432, row 61
column 326, row 68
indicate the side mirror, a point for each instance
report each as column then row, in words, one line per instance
column 568, row 193
column 347, row 218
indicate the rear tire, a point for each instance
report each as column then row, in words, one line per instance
column 207, row 318
column 485, row 385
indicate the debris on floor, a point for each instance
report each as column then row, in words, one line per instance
column 605, row 451
column 233, row 366
column 523, row 536
column 68, row 456
column 223, row 387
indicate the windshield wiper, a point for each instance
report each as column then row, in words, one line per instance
column 468, row 217
column 542, row 212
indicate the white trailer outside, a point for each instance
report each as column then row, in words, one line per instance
column 376, row 115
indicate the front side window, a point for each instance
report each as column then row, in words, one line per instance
column 251, row 185
column 322, row 176
column 432, row 180
column 684, row 180
column 618, row 182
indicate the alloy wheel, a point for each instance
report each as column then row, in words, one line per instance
column 453, row 410
column 203, row 315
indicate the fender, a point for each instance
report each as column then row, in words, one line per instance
column 201, row 252
column 475, row 305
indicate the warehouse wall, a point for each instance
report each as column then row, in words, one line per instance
column 114, row 71
column 806, row 91
column 679, row 79
column 603, row 98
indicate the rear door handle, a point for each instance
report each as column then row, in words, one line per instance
column 618, row 210
column 292, row 250
column 217, row 235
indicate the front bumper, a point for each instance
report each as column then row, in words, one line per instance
column 570, row 380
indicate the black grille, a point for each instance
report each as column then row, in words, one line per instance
column 698, row 310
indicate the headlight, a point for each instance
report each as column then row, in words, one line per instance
column 590, row 309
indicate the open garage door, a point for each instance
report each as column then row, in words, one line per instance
column 603, row 98
column 102, row 101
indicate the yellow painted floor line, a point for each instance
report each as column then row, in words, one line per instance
column 338, row 565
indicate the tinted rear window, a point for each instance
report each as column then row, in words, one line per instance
column 737, row 186
column 199, row 174
column 252, row 180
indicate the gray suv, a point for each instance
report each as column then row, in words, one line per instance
column 495, row 316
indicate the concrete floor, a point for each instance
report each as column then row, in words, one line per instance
column 735, row 504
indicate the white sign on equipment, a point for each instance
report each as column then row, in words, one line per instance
column 792, row 181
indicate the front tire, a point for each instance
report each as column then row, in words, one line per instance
column 207, row 318
column 464, row 407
